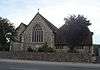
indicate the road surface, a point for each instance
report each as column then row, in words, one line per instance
column 6, row 64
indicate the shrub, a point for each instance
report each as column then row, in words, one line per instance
column 29, row 49
column 45, row 48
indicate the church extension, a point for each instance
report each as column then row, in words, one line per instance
column 40, row 31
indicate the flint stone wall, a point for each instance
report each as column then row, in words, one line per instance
column 53, row 57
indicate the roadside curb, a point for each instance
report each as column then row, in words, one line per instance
column 52, row 63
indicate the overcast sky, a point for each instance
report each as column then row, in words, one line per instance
column 18, row 11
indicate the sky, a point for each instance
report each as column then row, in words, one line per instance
column 55, row 11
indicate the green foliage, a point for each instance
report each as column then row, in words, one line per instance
column 29, row 49
column 76, row 28
column 77, row 20
column 5, row 48
column 45, row 48
column 7, row 33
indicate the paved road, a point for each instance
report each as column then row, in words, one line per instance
column 37, row 65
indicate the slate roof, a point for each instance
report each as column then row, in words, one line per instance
column 49, row 24
column 60, row 34
column 22, row 24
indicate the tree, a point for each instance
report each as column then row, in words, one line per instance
column 76, row 28
column 7, row 33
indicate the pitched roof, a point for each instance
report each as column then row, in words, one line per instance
column 49, row 24
column 21, row 24
column 62, row 35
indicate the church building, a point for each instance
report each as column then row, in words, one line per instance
column 38, row 32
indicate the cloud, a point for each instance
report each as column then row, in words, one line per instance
column 54, row 10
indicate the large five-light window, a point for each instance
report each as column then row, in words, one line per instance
column 37, row 34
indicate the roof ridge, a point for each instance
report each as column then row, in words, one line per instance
column 52, row 27
column 21, row 24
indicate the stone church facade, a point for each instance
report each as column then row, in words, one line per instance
column 38, row 32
